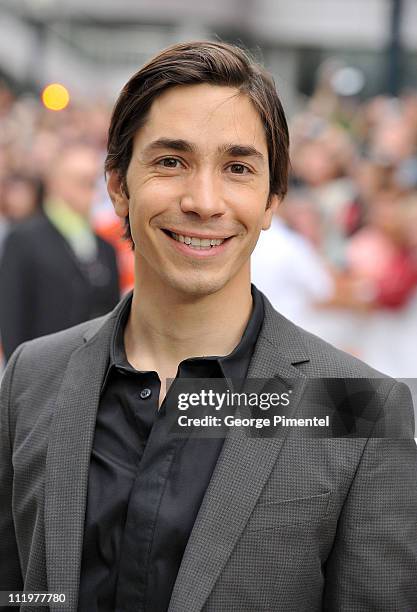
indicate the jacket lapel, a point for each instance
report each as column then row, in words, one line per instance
column 68, row 458
column 241, row 471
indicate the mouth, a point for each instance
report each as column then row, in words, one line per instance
column 197, row 243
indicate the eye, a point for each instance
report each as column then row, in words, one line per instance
column 239, row 169
column 169, row 162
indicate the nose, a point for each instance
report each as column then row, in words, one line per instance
column 202, row 196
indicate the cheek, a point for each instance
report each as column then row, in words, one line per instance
column 251, row 196
column 155, row 196
column 144, row 201
column 251, row 210
column 147, row 204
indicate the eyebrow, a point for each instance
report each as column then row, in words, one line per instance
column 177, row 144
column 169, row 143
column 234, row 150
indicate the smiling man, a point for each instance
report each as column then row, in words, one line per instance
column 197, row 194
column 99, row 501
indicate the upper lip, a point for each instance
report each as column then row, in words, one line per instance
column 196, row 234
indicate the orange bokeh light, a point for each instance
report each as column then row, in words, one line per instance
column 55, row 97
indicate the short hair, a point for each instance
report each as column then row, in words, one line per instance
column 193, row 63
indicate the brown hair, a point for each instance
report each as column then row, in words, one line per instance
column 192, row 63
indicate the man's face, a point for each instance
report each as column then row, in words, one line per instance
column 74, row 179
column 199, row 172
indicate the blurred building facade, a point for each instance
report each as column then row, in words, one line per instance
column 100, row 43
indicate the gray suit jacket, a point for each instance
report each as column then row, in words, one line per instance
column 286, row 524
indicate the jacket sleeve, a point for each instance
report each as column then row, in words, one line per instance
column 373, row 563
column 16, row 300
column 10, row 571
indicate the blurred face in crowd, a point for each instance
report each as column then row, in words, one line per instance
column 198, row 173
column 19, row 199
column 303, row 216
column 73, row 178
column 315, row 164
column 386, row 215
column 368, row 179
column 394, row 141
column 44, row 152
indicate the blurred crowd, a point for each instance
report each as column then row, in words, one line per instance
column 346, row 237
column 62, row 255
column 31, row 140
column 341, row 256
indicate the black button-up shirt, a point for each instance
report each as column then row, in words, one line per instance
column 145, row 486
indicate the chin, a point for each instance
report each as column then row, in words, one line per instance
column 197, row 287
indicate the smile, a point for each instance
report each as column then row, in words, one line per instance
column 193, row 242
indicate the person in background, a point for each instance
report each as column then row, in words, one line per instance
column 287, row 265
column 21, row 197
column 55, row 271
column 321, row 162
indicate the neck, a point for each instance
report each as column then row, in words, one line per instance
column 165, row 326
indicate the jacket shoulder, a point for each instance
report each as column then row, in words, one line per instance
column 29, row 227
column 47, row 356
column 314, row 356
column 327, row 360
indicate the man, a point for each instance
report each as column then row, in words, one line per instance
column 100, row 501
column 55, row 272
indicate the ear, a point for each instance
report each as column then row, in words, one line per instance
column 273, row 202
column 117, row 194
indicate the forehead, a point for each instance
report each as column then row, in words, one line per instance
column 206, row 115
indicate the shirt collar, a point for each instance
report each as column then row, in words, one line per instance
column 231, row 364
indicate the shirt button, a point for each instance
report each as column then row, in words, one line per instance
column 145, row 393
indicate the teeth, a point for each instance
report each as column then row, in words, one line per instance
column 197, row 243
